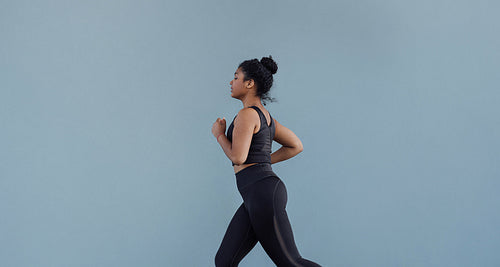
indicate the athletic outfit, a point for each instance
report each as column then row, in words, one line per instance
column 262, row 216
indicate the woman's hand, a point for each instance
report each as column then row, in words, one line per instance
column 219, row 126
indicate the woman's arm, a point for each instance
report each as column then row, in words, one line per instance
column 244, row 126
column 291, row 144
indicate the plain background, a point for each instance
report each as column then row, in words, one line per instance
column 107, row 156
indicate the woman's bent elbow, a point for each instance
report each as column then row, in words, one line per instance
column 300, row 147
column 238, row 161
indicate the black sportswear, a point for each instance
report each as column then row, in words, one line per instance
column 261, row 145
column 262, row 216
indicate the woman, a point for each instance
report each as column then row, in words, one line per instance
column 262, row 216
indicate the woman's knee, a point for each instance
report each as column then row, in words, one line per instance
column 222, row 260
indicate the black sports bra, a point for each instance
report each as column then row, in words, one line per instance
column 261, row 145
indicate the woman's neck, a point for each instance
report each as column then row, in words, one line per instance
column 252, row 102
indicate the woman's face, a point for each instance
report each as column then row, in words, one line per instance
column 237, row 85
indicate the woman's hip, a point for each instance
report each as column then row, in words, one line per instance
column 253, row 174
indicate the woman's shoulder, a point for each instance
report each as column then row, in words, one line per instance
column 248, row 115
column 247, row 111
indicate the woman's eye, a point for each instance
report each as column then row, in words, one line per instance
column 235, row 78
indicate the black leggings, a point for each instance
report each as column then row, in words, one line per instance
column 261, row 217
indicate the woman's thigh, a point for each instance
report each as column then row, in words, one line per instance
column 266, row 202
column 238, row 240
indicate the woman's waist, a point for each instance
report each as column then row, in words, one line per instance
column 254, row 173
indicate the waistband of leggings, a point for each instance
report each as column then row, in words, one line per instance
column 254, row 173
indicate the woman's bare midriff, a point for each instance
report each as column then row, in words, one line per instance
column 238, row 168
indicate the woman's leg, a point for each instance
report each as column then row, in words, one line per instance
column 266, row 202
column 238, row 240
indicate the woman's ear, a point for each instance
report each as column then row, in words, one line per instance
column 250, row 83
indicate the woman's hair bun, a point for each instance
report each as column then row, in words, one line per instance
column 269, row 63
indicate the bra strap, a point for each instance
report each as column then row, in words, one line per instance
column 261, row 115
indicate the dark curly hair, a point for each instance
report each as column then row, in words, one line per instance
column 262, row 73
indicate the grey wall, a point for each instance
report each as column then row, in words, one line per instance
column 107, row 156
